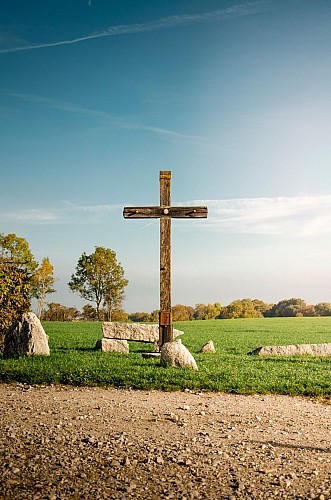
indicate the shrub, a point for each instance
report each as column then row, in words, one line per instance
column 14, row 296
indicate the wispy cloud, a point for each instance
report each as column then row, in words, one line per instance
column 239, row 10
column 112, row 119
column 66, row 213
column 298, row 216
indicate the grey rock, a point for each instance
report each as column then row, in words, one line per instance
column 209, row 347
column 176, row 354
column 28, row 338
column 133, row 331
column 112, row 345
column 290, row 350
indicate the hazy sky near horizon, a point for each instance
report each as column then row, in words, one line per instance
column 98, row 96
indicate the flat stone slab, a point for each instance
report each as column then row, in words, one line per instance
column 112, row 345
column 290, row 350
column 133, row 331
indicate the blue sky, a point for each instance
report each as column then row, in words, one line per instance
column 98, row 96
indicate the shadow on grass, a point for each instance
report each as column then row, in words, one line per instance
column 80, row 349
column 298, row 358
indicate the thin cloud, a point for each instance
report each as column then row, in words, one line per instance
column 102, row 115
column 298, row 216
column 243, row 9
column 288, row 216
column 67, row 213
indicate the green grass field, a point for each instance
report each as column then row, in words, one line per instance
column 74, row 361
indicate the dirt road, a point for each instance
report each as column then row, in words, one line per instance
column 95, row 443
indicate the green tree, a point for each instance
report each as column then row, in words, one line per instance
column 15, row 249
column 100, row 278
column 43, row 281
column 323, row 309
column 89, row 313
column 288, row 308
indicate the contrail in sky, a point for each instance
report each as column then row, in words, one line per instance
column 102, row 115
column 243, row 9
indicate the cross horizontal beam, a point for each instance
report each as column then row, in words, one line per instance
column 165, row 212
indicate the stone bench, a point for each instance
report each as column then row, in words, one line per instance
column 116, row 335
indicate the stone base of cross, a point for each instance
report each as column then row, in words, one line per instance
column 165, row 212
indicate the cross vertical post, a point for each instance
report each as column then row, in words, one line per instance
column 165, row 212
column 165, row 320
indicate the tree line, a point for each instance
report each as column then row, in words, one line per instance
column 99, row 278
column 244, row 308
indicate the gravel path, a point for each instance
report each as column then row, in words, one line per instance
column 96, row 443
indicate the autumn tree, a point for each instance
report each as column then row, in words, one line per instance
column 14, row 296
column 182, row 313
column 243, row 308
column 59, row 312
column 119, row 315
column 99, row 278
column 155, row 316
column 43, row 281
column 140, row 317
column 261, row 306
column 309, row 311
column 16, row 249
column 16, row 269
column 209, row 311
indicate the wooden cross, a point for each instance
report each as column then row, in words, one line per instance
column 165, row 212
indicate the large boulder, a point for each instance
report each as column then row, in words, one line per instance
column 112, row 345
column 176, row 354
column 290, row 350
column 28, row 338
column 133, row 331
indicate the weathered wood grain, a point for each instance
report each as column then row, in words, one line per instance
column 166, row 330
column 165, row 212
